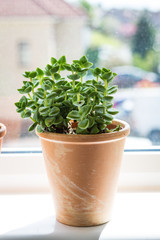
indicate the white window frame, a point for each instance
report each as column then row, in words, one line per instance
column 23, row 171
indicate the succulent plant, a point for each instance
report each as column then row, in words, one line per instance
column 54, row 102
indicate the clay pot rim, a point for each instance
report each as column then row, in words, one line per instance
column 2, row 130
column 122, row 133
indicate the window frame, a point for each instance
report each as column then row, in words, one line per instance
column 23, row 170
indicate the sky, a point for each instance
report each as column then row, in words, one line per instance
column 153, row 5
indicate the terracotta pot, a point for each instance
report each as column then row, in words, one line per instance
column 83, row 171
column 2, row 133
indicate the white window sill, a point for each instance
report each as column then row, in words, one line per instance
column 135, row 216
column 25, row 172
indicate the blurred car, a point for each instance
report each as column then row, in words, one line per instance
column 130, row 76
column 140, row 108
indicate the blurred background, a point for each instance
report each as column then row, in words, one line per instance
column 121, row 35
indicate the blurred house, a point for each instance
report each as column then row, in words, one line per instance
column 31, row 31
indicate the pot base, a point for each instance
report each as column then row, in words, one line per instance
column 74, row 224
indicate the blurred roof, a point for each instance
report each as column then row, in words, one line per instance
column 57, row 8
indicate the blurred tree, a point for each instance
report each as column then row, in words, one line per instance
column 144, row 38
column 88, row 8
column 92, row 54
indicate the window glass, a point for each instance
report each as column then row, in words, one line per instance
column 24, row 54
column 121, row 35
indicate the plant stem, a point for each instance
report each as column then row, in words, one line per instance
column 78, row 100
column 30, row 97
column 73, row 83
column 32, row 82
column 106, row 85
column 104, row 103
column 32, row 119
column 66, row 96
column 81, row 79
column 97, row 79
column 78, row 97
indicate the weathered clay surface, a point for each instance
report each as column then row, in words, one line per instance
column 83, row 175
column 2, row 133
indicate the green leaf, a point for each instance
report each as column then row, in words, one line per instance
column 39, row 129
column 54, row 111
column 30, row 104
column 49, row 121
column 62, row 60
column 113, row 111
column 54, row 69
column 26, row 74
column 100, row 88
column 102, row 126
column 99, row 119
column 81, row 131
column 73, row 76
column 23, row 100
column 107, row 117
column 108, row 98
column 87, row 65
column 47, row 85
column 33, row 74
column 80, row 102
column 76, row 67
column 53, row 60
column 108, row 105
column 59, row 99
column 96, row 71
column 94, row 130
column 40, row 93
column 26, row 113
column 85, row 110
column 57, row 76
column 32, row 127
column 58, row 119
column 83, row 60
column 99, row 109
column 40, row 72
column 112, row 90
column 73, row 115
column 51, row 95
column 91, row 121
column 83, row 124
column 44, row 111
column 36, row 115
column 68, row 67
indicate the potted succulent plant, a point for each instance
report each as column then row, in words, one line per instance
column 2, row 133
column 82, row 144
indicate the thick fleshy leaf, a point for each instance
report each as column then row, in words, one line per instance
column 62, row 60
column 33, row 74
column 44, row 111
column 83, row 124
column 32, row 127
column 49, row 121
column 108, row 98
column 40, row 72
column 53, row 60
column 107, row 117
column 94, row 130
column 113, row 111
column 54, row 111
column 91, row 121
column 99, row 109
column 26, row 113
column 58, row 119
column 74, row 76
column 74, row 115
column 85, row 110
